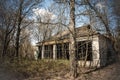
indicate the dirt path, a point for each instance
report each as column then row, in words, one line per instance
column 8, row 75
column 111, row 72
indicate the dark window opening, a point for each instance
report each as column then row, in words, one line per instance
column 66, row 51
column 84, row 50
column 109, row 55
column 39, row 52
column 59, row 51
column 63, row 51
column 48, row 52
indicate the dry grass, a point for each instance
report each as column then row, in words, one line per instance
column 59, row 70
column 42, row 68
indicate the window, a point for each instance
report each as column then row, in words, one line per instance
column 48, row 53
column 84, row 50
column 63, row 51
column 59, row 51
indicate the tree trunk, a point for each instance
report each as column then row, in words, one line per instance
column 19, row 28
column 4, row 46
column 17, row 41
column 73, row 60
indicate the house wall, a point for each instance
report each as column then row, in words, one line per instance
column 95, row 49
column 103, row 50
column 107, row 53
column 111, row 55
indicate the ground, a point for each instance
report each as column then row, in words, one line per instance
column 8, row 75
column 110, row 72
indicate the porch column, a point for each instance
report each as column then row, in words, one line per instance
column 43, row 51
column 54, row 52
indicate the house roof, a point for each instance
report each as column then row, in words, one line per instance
column 80, row 32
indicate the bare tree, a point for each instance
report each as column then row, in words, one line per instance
column 73, row 60
column 26, row 48
column 23, row 10
column 43, row 29
column 8, row 22
column 14, row 18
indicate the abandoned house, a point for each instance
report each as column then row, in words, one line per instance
column 92, row 48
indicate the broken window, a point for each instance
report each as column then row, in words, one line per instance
column 63, row 51
column 84, row 50
column 59, row 51
column 48, row 52
column 66, row 50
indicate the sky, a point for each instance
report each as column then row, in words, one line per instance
column 47, row 3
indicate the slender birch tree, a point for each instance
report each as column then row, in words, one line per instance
column 73, row 60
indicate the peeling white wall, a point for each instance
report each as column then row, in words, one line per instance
column 95, row 50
